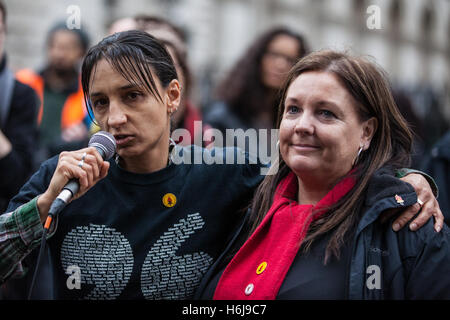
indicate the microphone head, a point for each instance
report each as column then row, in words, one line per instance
column 105, row 143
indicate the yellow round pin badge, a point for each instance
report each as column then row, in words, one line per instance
column 169, row 200
column 261, row 267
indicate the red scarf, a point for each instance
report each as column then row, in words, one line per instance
column 258, row 269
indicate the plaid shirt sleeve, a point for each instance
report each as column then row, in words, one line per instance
column 20, row 232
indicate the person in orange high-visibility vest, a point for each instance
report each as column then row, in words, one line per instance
column 63, row 120
column 18, row 129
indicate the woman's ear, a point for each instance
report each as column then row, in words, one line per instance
column 369, row 128
column 173, row 96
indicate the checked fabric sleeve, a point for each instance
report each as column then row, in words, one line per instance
column 20, row 232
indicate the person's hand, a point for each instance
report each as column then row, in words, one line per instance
column 75, row 132
column 5, row 145
column 426, row 204
column 85, row 165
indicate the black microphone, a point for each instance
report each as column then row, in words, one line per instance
column 105, row 144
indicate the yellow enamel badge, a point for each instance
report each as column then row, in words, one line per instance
column 261, row 268
column 169, row 200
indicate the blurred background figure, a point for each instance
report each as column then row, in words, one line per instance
column 18, row 113
column 248, row 97
column 63, row 121
column 405, row 105
column 429, row 106
column 122, row 24
column 437, row 164
column 411, row 41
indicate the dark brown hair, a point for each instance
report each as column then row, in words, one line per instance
column 390, row 145
column 147, row 23
column 243, row 89
column 3, row 13
column 136, row 55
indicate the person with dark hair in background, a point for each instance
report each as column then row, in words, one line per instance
column 142, row 225
column 317, row 229
column 248, row 97
column 63, row 121
column 18, row 127
column 406, row 108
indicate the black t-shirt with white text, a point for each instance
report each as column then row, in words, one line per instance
column 152, row 236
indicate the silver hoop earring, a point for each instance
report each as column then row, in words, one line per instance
column 355, row 162
column 172, row 145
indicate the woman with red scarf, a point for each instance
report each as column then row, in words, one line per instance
column 318, row 226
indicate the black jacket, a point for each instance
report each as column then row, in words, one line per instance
column 413, row 265
column 21, row 131
column 385, row 264
column 220, row 116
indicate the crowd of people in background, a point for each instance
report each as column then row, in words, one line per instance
column 43, row 111
column 247, row 97
column 62, row 119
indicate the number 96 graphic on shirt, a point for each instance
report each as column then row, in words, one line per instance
column 104, row 259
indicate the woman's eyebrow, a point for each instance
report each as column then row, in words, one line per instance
column 129, row 86
column 122, row 88
column 326, row 103
column 95, row 94
column 291, row 100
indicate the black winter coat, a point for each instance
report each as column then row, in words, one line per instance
column 412, row 265
column 385, row 264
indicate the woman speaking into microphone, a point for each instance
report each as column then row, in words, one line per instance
column 142, row 226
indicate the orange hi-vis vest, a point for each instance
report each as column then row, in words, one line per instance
column 74, row 110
